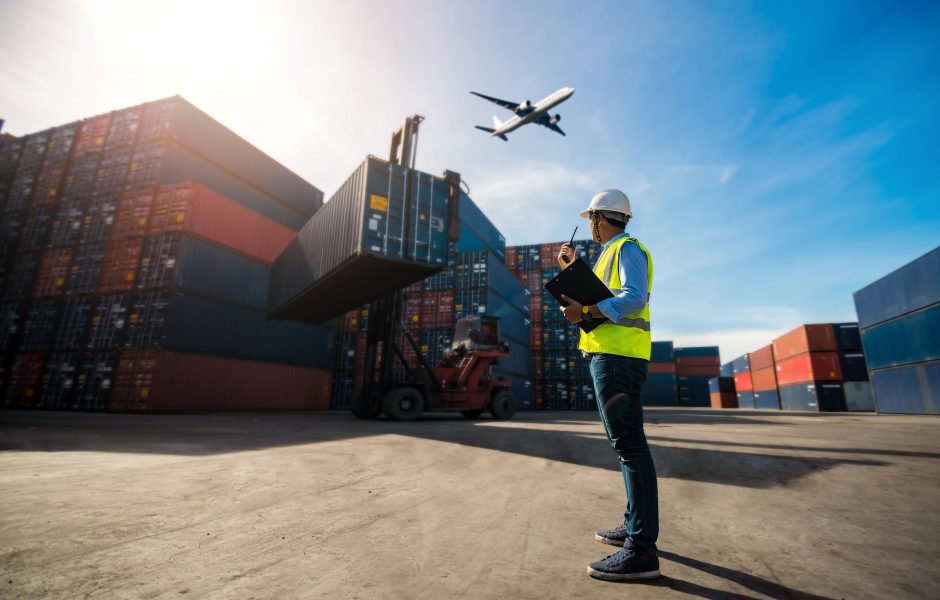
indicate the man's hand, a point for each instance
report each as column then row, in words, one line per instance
column 566, row 255
column 572, row 312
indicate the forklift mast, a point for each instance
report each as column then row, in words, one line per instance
column 384, row 315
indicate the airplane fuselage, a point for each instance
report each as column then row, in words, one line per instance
column 525, row 115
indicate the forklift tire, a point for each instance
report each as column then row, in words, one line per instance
column 404, row 404
column 503, row 405
column 472, row 414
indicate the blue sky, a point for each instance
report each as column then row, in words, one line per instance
column 779, row 156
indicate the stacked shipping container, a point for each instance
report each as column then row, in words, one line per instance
column 695, row 366
column 123, row 294
column 899, row 316
column 474, row 282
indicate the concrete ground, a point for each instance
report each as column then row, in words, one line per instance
column 320, row 505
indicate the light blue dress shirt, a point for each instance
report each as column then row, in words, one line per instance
column 634, row 276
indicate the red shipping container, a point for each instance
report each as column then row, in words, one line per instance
column 536, row 330
column 52, row 271
column 810, row 366
column 133, row 214
column 661, row 367
column 512, row 256
column 538, row 364
column 698, row 371
column 764, row 379
column 200, row 211
column 91, row 135
column 742, row 382
column 47, row 186
column 724, row 400
column 534, row 282
column 535, row 308
column 805, row 338
column 761, row 359
column 25, row 378
column 119, row 271
column 150, row 381
column 546, row 258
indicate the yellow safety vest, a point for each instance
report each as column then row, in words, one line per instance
column 631, row 335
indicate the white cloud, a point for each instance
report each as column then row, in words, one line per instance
column 727, row 173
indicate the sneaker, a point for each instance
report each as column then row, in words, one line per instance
column 624, row 566
column 614, row 537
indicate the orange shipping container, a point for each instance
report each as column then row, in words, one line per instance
column 152, row 381
column 133, row 214
column 661, row 367
column 724, row 400
column 698, row 361
column 807, row 367
column 805, row 338
column 761, row 359
column 742, row 382
column 697, row 371
column 764, row 379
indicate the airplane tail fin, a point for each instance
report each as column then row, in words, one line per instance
column 493, row 132
column 496, row 122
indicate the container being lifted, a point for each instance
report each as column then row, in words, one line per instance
column 387, row 227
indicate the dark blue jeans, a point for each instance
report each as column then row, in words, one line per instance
column 618, row 383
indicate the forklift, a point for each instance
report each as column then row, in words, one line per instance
column 463, row 380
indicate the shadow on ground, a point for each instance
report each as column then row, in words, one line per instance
column 216, row 433
column 751, row 582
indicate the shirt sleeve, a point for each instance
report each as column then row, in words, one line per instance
column 634, row 275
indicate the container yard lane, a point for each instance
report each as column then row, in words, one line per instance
column 757, row 504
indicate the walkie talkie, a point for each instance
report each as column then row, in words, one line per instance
column 565, row 259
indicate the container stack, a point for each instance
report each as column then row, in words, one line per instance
column 764, row 378
column 662, row 381
column 744, row 387
column 695, row 366
column 808, row 369
column 125, row 286
column 855, row 379
column 899, row 317
column 474, row 282
column 561, row 375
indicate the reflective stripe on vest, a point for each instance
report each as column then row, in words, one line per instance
column 631, row 335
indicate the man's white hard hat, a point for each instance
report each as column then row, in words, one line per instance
column 610, row 200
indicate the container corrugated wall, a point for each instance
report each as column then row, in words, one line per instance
column 377, row 234
column 94, row 259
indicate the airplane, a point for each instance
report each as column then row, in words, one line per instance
column 527, row 113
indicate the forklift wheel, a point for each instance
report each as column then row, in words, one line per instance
column 503, row 405
column 472, row 414
column 404, row 404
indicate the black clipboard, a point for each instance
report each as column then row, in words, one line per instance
column 578, row 282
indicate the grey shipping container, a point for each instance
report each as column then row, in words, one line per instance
column 858, row 396
column 913, row 286
column 911, row 389
column 386, row 228
column 822, row 396
column 913, row 338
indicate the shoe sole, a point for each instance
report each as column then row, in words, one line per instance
column 611, row 541
column 622, row 576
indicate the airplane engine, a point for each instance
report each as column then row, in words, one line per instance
column 524, row 106
column 554, row 120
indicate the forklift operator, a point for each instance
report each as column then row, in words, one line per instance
column 619, row 351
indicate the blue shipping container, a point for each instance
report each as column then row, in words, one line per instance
column 821, row 396
column 913, row 286
column 854, row 367
column 847, row 336
column 483, row 234
column 767, row 400
column 910, row 339
column 741, row 364
column 727, row 370
column 746, row 399
column 697, row 351
column 912, row 389
column 663, row 352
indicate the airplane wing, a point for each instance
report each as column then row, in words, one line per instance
column 504, row 103
column 546, row 121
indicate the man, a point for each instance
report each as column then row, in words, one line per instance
column 619, row 350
